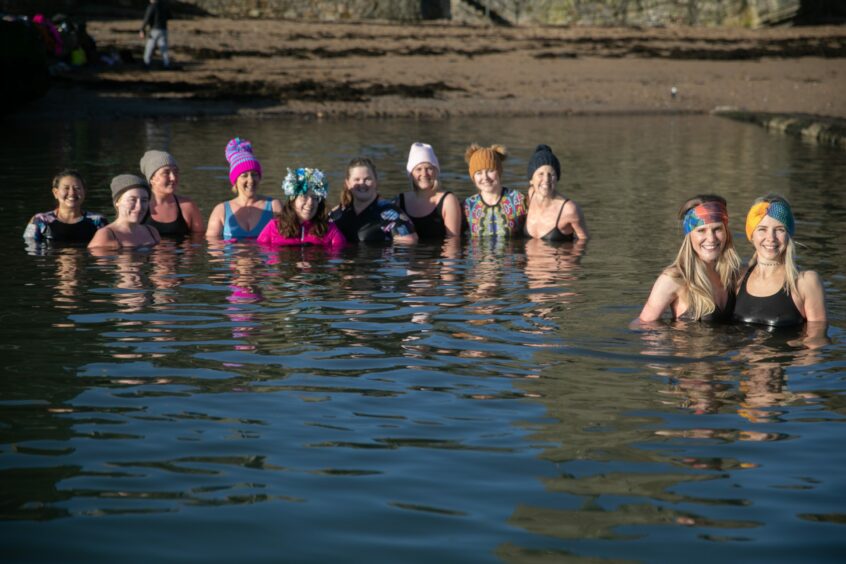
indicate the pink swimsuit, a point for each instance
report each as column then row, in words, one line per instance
column 270, row 236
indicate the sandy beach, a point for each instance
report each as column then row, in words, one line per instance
column 256, row 67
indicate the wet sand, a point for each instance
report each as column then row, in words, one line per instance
column 254, row 67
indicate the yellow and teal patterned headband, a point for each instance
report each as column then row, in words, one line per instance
column 778, row 210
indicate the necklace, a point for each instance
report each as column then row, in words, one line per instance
column 769, row 263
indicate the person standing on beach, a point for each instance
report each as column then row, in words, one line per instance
column 156, row 17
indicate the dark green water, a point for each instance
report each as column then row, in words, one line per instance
column 461, row 404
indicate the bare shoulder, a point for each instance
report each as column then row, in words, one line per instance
column 571, row 212
column 572, row 207
column 671, row 275
column 451, row 199
column 809, row 279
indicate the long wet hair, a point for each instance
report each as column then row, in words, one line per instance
column 68, row 172
column 289, row 224
column 346, row 197
column 692, row 272
column 791, row 271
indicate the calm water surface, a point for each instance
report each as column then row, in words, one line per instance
column 467, row 403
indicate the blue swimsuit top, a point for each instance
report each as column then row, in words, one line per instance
column 233, row 230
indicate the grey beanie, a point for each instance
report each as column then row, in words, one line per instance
column 543, row 156
column 154, row 160
column 123, row 182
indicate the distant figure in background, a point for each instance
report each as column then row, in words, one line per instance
column 156, row 17
column 68, row 223
column 170, row 216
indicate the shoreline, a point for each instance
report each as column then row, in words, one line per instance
column 381, row 70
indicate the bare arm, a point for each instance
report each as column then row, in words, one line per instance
column 276, row 205
column 664, row 293
column 215, row 227
column 192, row 215
column 813, row 296
column 451, row 212
column 573, row 215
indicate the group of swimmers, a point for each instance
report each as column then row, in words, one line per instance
column 705, row 282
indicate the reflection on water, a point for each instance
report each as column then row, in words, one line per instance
column 471, row 401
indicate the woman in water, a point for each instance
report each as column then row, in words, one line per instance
column 495, row 211
column 303, row 220
column 131, row 196
column 171, row 216
column 67, row 223
column 551, row 217
column 245, row 215
column 363, row 215
column 436, row 214
column 773, row 290
column 701, row 282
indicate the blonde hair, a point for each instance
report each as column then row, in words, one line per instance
column 346, row 197
column 693, row 273
column 791, row 271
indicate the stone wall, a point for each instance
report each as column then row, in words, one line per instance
column 745, row 13
column 324, row 10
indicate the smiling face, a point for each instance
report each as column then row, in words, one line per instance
column 487, row 180
column 544, row 180
column 248, row 183
column 424, row 176
column 305, row 207
column 132, row 205
column 362, row 184
column 69, row 193
column 770, row 239
column 165, row 180
column 708, row 241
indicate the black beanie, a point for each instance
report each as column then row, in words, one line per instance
column 543, row 155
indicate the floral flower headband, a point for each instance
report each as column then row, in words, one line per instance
column 305, row 181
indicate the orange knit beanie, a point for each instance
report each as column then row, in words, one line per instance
column 485, row 158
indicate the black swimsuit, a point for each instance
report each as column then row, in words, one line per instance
column 80, row 232
column 778, row 310
column 719, row 315
column 555, row 235
column 176, row 228
column 430, row 226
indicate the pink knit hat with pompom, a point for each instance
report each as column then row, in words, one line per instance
column 239, row 154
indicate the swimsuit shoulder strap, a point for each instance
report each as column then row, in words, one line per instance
column 441, row 201
column 560, row 211
column 746, row 277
